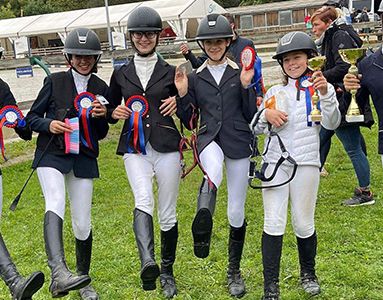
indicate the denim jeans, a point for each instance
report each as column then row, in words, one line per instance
column 352, row 141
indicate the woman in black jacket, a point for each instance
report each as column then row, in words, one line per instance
column 72, row 97
column 330, row 39
column 149, row 145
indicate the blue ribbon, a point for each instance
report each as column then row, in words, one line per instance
column 136, row 126
column 308, row 101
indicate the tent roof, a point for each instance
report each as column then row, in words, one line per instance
column 10, row 27
column 55, row 22
column 96, row 17
column 273, row 6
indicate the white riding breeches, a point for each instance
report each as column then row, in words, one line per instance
column 212, row 159
column 80, row 191
column 302, row 192
column 166, row 168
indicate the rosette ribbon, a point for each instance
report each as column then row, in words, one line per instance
column 83, row 105
column 10, row 116
column 139, row 106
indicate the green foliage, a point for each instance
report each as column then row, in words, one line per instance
column 349, row 262
column 228, row 3
column 37, row 7
column 6, row 11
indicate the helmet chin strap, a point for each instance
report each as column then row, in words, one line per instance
column 68, row 59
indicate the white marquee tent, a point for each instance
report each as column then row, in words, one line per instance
column 176, row 13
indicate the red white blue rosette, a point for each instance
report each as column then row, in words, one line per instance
column 10, row 116
column 248, row 58
column 83, row 104
column 139, row 106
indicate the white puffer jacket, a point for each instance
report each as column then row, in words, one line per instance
column 301, row 140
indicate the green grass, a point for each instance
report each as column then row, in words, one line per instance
column 349, row 261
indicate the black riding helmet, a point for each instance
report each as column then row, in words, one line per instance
column 82, row 41
column 211, row 27
column 144, row 19
column 295, row 41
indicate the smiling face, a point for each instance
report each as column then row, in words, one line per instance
column 83, row 63
column 295, row 63
column 144, row 42
column 215, row 49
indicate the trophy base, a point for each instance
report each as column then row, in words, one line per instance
column 354, row 118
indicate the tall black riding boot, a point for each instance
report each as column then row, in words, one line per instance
column 307, row 249
column 83, row 257
column 235, row 281
column 168, row 255
column 271, row 259
column 63, row 280
column 143, row 230
column 21, row 288
column 203, row 221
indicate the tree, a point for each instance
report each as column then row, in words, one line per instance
column 6, row 11
column 37, row 7
column 228, row 3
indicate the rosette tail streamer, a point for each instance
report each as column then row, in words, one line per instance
column 10, row 116
column 83, row 105
column 139, row 107
column 306, row 86
column 72, row 139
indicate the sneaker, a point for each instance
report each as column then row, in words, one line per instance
column 310, row 284
column 360, row 198
column 271, row 292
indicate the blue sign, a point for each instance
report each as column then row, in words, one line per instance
column 24, row 72
column 118, row 63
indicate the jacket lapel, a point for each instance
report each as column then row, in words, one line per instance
column 71, row 79
column 131, row 75
column 206, row 76
column 229, row 73
column 160, row 70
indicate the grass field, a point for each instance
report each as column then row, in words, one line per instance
column 350, row 252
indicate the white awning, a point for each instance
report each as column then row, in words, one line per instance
column 52, row 23
column 11, row 27
column 95, row 18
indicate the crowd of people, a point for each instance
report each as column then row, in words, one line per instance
column 225, row 101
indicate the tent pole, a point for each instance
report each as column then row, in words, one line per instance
column 110, row 40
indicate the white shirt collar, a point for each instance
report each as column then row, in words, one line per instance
column 81, row 81
column 229, row 62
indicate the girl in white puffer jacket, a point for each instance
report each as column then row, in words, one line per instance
column 287, row 112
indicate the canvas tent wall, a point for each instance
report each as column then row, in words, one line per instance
column 180, row 15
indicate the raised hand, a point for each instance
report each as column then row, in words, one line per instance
column 181, row 81
column 246, row 77
column 351, row 82
column 319, row 82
